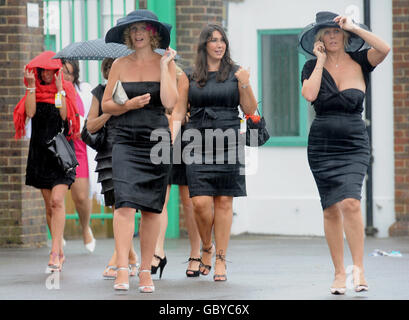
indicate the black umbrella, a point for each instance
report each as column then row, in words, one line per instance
column 93, row 50
column 97, row 50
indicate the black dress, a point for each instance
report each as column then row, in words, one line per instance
column 216, row 170
column 338, row 143
column 104, row 156
column 140, row 177
column 178, row 173
column 43, row 170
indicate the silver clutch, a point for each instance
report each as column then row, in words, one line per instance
column 119, row 95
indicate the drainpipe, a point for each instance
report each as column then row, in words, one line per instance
column 370, row 230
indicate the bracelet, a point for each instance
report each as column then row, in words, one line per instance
column 244, row 86
column 31, row 89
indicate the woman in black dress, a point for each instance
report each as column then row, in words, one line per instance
column 50, row 103
column 149, row 81
column 95, row 121
column 338, row 147
column 214, row 90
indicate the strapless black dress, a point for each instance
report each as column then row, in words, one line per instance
column 338, row 143
column 140, row 178
column 43, row 170
column 217, row 168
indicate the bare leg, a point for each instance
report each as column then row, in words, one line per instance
column 55, row 199
column 334, row 233
column 160, row 243
column 354, row 231
column 192, row 230
column 124, row 225
column 80, row 196
column 203, row 210
column 223, row 218
column 149, row 232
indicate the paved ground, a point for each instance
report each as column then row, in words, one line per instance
column 261, row 268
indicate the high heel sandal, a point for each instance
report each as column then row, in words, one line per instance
column 106, row 275
column 338, row 290
column 358, row 286
column 206, row 266
column 133, row 269
column 53, row 267
column 124, row 286
column 195, row 273
column 62, row 260
column 220, row 277
column 162, row 263
column 142, row 289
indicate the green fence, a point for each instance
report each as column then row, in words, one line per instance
column 68, row 21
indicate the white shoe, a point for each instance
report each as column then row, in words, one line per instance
column 91, row 245
column 338, row 290
column 122, row 286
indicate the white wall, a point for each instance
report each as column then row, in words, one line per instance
column 282, row 195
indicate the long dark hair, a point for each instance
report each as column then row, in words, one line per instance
column 200, row 72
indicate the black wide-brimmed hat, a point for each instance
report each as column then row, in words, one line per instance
column 325, row 19
column 115, row 34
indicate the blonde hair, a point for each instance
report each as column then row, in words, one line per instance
column 155, row 38
column 321, row 32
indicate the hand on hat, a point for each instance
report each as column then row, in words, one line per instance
column 319, row 51
column 345, row 23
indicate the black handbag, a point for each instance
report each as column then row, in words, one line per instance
column 95, row 140
column 63, row 151
column 256, row 131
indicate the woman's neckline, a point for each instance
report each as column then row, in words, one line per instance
column 140, row 81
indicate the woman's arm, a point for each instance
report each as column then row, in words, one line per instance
column 168, row 87
column 30, row 103
column 380, row 48
column 311, row 86
column 180, row 109
column 248, row 101
column 108, row 104
column 95, row 122
column 58, row 83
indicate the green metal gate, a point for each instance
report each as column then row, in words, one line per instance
column 68, row 21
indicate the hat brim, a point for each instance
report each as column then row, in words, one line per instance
column 115, row 34
column 306, row 38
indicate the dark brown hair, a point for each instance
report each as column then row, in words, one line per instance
column 75, row 70
column 200, row 72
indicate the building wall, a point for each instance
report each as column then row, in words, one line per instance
column 401, row 115
column 282, row 195
column 22, row 218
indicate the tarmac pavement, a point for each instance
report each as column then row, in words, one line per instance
column 261, row 268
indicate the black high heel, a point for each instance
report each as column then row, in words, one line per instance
column 194, row 273
column 162, row 263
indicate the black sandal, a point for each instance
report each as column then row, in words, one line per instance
column 195, row 273
column 206, row 266
column 221, row 277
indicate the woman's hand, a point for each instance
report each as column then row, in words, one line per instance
column 30, row 77
column 345, row 23
column 167, row 57
column 243, row 76
column 319, row 51
column 58, row 80
column 138, row 102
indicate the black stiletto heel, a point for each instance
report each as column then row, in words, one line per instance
column 162, row 263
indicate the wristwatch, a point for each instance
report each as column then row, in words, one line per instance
column 63, row 93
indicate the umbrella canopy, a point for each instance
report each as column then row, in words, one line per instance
column 93, row 50
column 97, row 50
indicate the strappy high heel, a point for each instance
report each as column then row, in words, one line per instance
column 124, row 286
column 133, row 269
column 106, row 275
column 195, row 273
column 206, row 266
column 142, row 289
column 220, row 277
column 53, row 267
column 162, row 263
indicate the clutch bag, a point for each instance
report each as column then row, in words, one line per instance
column 119, row 95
